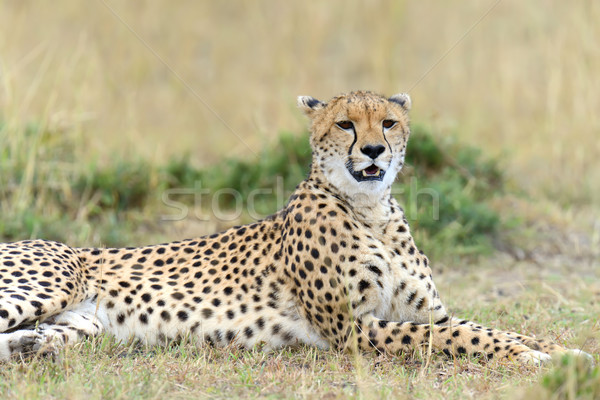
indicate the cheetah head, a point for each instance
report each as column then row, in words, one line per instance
column 358, row 139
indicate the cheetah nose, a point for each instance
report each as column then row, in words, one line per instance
column 373, row 151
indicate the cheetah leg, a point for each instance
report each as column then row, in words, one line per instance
column 543, row 345
column 395, row 337
column 67, row 327
column 41, row 280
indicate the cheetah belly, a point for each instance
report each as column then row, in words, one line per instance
column 270, row 328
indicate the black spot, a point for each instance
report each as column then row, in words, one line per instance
column 230, row 336
column 375, row 269
column 309, row 266
column 182, row 315
column 207, row 312
column 406, row 339
column 177, row 296
column 36, row 304
column 363, row 285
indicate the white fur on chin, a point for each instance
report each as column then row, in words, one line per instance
column 367, row 192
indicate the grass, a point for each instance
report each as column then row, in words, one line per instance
column 518, row 85
column 111, row 201
column 101, row 368
column 94, row 125
column 446, row 189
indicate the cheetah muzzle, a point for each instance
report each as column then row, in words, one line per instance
column 371, row 173
column 331, row 269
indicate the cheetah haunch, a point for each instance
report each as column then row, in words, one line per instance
column 337, row 267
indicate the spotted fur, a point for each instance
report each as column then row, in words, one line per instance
column 337, row 267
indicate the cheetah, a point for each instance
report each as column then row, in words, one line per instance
column 337, row 267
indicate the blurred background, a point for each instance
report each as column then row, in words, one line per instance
column 152, row 80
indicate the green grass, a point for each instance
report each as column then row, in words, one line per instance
column 446, row 189
column 45, row 192
column 102, row 368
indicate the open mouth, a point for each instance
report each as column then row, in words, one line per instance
column 371, row 173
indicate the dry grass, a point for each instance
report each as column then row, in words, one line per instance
column 522, row 84
column 516, row 296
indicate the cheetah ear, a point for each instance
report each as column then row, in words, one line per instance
column 309, row 105
column 403, row 99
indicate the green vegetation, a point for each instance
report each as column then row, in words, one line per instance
column 46, row 193
column 573, row 378
column 445, row 189
column 447, row 196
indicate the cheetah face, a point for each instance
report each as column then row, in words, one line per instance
column 358, row 139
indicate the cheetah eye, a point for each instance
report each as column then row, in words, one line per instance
column 345, row 125
column 388, row 123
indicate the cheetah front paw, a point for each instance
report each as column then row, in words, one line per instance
column 23, row 342
column 32, row 343
column 533, row 357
